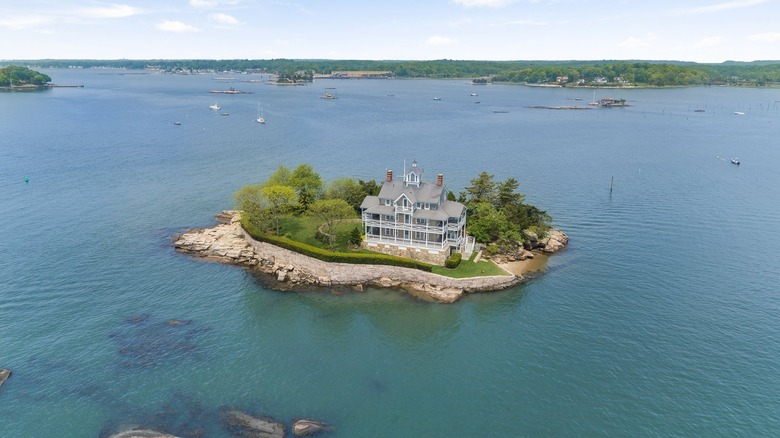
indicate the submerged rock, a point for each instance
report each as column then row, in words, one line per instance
column 307, row 426
column 4, row 375
column 249, row 426
column 141, row 433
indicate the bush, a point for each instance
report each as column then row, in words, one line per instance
column 355, row 237
column 330, row 256
column 453, row 261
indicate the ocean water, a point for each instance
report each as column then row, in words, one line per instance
column 662, row 318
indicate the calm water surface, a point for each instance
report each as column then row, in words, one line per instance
column 660, row 319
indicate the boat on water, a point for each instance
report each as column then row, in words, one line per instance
column 260, row 119
column 611, row 101
column 473, row 94
column 594, row 102
column 735, row 161
column 328, row 95
column 177, row 123
column 437, row 98
column 739, row 113
column 215, row 107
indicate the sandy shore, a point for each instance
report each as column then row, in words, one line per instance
column 528, row 266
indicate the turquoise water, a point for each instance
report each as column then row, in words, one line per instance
column 660, row 319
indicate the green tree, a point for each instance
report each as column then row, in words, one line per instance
column 307, row 184
column 249, row 199
column 506, row 195
column 482, row 189
column 331, row 212
column 280, row 177
column 356, row 236
column 279, row 201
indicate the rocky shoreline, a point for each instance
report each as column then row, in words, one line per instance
column 228, row 242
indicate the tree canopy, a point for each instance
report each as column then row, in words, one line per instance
column 17, row 76
column 498, row 213
column 642, row 73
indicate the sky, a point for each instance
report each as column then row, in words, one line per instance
column 707, row 31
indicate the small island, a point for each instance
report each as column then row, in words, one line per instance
column 16, row 78
column 406, row 233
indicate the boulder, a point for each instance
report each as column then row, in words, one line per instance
column 306, row 426
column 4, row 375
column 555, row 240
column 141, row 433
column 245, row 425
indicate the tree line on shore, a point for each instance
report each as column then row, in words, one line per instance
column 641, row 73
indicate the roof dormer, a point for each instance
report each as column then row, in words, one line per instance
column 414, row 176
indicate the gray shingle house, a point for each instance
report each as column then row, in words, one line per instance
column 413, row 218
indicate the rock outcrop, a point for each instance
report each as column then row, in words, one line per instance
column 307, row 426
column 141, row 433
column 4, row 375
column 554, row 241
column 228, row 242
column 245, row 425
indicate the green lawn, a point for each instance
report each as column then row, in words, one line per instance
column 468, row 268
column 303, row 228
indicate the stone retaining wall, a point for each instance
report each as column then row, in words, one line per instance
column 229, row 243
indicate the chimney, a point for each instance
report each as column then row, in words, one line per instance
column 389, row 177
column 439, row 179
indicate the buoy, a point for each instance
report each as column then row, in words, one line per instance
column 26, row 179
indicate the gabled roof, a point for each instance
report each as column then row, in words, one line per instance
column 427, row 192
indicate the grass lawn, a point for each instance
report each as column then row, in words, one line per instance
column 303, row 229
column 468, row 268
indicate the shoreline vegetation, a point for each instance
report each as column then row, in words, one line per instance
column 572, row 73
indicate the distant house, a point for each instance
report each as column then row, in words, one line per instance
column 413, row 218
column 562, row 79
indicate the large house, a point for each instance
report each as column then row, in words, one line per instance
column 413, row 218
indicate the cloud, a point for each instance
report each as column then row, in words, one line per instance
column 439, row 41
column 210, row 4
column 112, row 11
column 766, row 37
column 24, row 23
column 224, row 19
column 708, row 42
column 175, row 27
column 633, row 42
column 203, row 4
column 524, row 23
column 482, row 3
column 727, row 6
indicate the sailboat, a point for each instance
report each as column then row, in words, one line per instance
column 260, row 118
column 594, row 102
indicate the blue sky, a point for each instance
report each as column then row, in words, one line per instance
column 686, row 30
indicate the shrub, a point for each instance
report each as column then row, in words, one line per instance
column 355, row 236
column 453, row 261
column 330, row 256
